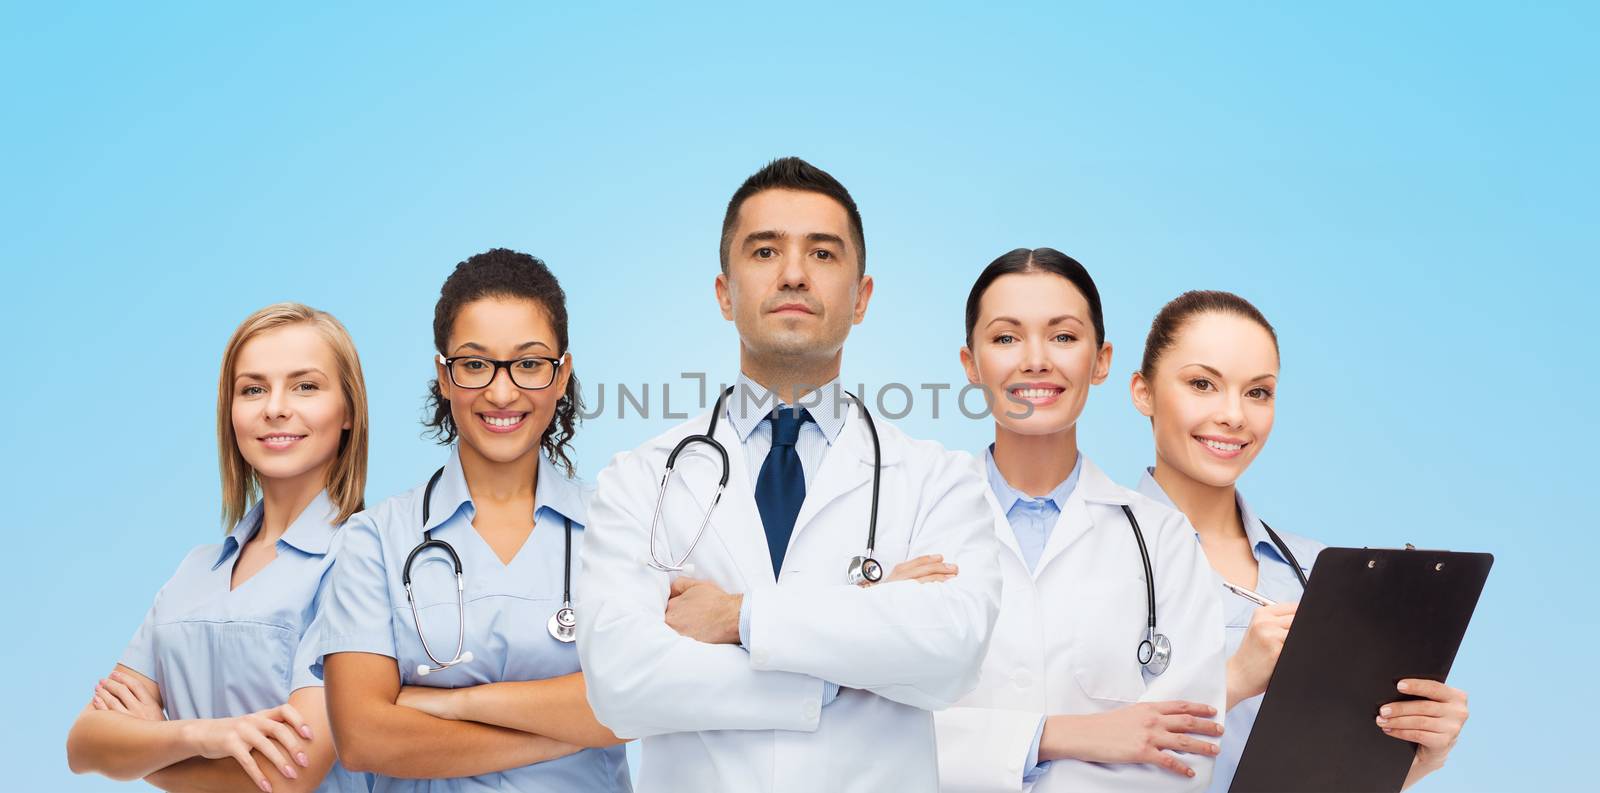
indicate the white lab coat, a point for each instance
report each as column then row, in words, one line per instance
column 1067, row 638
column 721, row 718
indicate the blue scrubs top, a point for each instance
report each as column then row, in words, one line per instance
column 218, row 653
column 508, row 607
column 1276, row 580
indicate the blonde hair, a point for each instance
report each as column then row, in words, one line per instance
column 347, row 477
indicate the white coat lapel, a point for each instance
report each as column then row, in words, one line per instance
column 846, row 466
column 1076, row 520
column 1002, row 524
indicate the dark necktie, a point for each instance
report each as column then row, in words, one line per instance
column 781, row 486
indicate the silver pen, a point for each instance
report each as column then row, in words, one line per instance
column 1250, row 595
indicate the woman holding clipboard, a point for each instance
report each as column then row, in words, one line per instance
column 1208, row 383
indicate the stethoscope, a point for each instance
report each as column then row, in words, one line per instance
column 562, row 624
column 1155, row 650
column 863, row 569
column 1288, row 555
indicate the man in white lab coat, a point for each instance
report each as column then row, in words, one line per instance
column 759, row 666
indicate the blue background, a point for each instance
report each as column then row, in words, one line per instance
column 1408, row 193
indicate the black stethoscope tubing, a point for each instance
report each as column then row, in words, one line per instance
column 460, row 656
column 1288, row 555
column 871, row 571
column 1155, row 649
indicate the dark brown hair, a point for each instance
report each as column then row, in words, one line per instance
column 1174, row 315
column 1038, row 260
column 508, row 274
column 793, row 173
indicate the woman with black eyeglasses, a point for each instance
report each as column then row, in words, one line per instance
column 447, row 647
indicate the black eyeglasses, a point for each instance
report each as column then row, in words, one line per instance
column 475, row 371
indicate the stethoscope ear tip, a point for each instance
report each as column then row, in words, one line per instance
column 466, row 657
column 423, row 670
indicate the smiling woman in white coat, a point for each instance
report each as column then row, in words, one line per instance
column 757, row 665
column 1064, row 701
column 1209, row 383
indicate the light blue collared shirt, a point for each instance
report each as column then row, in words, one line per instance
column 1032, row 520
column 218, row 652
column 1276, row 580
column 508, row 606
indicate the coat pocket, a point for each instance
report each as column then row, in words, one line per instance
column 1107, row 629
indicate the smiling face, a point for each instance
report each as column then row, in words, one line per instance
column 501, row 422
column 1033, row 349
column 793, row 286
column 288, row 409
column 1211, row 397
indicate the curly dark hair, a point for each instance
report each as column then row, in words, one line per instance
column 506, row 273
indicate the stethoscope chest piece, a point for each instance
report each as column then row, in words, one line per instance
column 1155, row 653
column 864, row 570
column 563, row 625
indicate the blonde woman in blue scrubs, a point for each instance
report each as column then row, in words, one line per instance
column 513, row 716
column 215, row 692
column 1209, row 383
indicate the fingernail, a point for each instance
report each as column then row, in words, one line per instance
column 1385, row 710
column 302, row 760
column 1382, row 720
column 1188, row 772
column 288, row 771
column 938, row 557
column 1387, row 731
column 1403, row 686
column 265, row 786
column 305, row 730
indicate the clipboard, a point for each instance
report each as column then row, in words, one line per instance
column 1369, row 618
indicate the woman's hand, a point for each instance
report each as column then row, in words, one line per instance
column 1145, row 732
column 438, row 702
column 1251, row 665
column 923, row 570
column 129, row 694
column 1433, row 723
column 275, row 732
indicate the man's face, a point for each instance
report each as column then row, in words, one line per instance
column 793, row 286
